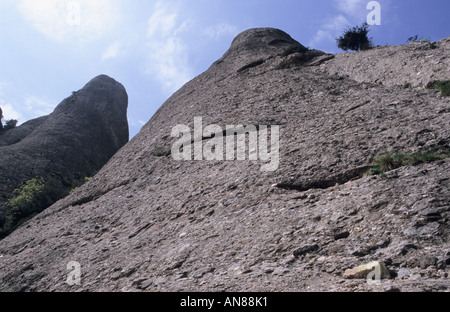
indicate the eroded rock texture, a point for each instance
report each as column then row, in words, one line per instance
column 149, row 223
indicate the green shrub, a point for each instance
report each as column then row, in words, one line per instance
column 27, row 199
column 355, row 39
column 389, row 161
column 433, row 45
column 10, row 124
column 162, row 153
column 31, row 198
column 407, row 85
column 443, row 86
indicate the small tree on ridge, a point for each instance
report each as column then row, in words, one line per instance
column 355, row 39
column 9, row 124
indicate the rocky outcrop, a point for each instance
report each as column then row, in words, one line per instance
column 73, row 142
column 147, row 222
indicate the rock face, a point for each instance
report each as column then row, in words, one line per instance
column 417, row 63
column 147, row 222
column 73, row 142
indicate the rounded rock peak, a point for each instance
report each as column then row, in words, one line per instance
column 101, row 80
column 105, row 86
column 257, row 39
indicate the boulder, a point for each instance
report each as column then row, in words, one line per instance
column 375, row 269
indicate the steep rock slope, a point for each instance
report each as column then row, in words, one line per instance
column 73, row 142
column 147, row 222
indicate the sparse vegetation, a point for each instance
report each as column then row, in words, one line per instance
column 9, row 124
column 443, row 86
column 390, row 161
column 416, row 39
column 407, row 85
column 162, row 153
column 413, row 39
column 33, row 197
column 27, row 198
column 431, row 45
column 355, row 39
column 30, row 199
column 78, row 184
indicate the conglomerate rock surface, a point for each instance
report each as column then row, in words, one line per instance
column 147, row 222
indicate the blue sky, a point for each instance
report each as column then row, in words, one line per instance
column 50, row 48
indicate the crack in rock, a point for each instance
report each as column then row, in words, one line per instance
column 327, row 182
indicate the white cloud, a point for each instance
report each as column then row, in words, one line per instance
column 70, row 20
column 9, row 112
column 349, row 12
column 353, row 8
column 220, row 30
column 36, row 107
column 30, row 107
column 329, row 30
column 162, row 22
column 168, row 53
column 112, row 51
column 320, row 36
